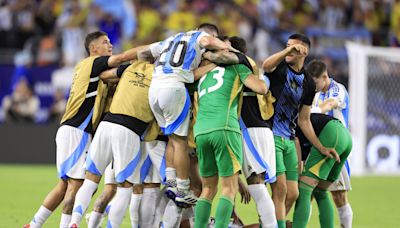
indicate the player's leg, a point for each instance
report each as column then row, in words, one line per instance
column 303, row 203
column 50, row 203
column 98, row 158
column 208, row 170
column 69, row 199
column 258, row 168
column 291, row 164
column 127, row 156
column 325, row 205
column 344, row 208
column 279, row 188
column 134, row 206
column 229, row 157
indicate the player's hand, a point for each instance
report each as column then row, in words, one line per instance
column 331, row 153
column 244, row 193
column 298, row 49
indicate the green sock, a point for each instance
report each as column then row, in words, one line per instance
column 224, row 212
column 302, row 208
column 325, row 207
column 281, row 223
column 202, row 213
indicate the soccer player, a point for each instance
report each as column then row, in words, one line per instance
column 178, row 56
column 118, row 138
column 321, row 170
column 258, row 140
column 294, row 91
column 74, row 135
column 218, row 139
column 332, row 99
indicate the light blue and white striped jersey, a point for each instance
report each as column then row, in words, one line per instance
column 177, row 56
column 339, row 93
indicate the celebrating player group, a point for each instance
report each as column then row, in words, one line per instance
column 169, row 122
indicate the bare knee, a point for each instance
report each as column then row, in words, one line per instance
column 279, row 190
column 340, row 198
column 229, row 186
column 105, row 197
column 209, row 192
column 69, row 199
column 255, row 179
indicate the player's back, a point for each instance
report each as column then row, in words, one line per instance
column 178, row 55
column 339, row 93
column 218, row 92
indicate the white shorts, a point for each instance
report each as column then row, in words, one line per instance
column 153, row 166
column 72, row 145
column 114, row 142
column 109, row 175
column 343, row 181
column 171, row 108
column 259, row 153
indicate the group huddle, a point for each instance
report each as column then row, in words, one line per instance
column 193, row 112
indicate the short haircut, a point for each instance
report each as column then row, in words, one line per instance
column 223, row 37
column 209, row 26
column 92, row 36
column 300, row 37
column 315, row 68
column 238, row 43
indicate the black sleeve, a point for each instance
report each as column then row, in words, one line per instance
column 243, row 60
column 121, row 69
column 278, row 76
column 100, row 64
column 308, row 90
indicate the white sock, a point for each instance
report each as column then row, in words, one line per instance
column 134, row 209
column 148, row 206
column 265, row 205
column 82, row 200
column 95, row 219
column 345, row 216
column 183, row 184
column 65, row 219
column 170, row 173
column 162, row 201
column 40, row 217
column 121, row 201
column 172, row 215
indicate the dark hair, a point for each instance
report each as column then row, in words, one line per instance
column 209, row 26
column 315, row 68
column 92, row 36
column 238, row 43
column 223, row 37
column 300, row 37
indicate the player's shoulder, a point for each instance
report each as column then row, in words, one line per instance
column 337, row 88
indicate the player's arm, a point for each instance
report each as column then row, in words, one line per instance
column 304, row 123
column 150, row 52
column 203, row 69
column 256, row 84
column 222, row 56
column 113, row 75
column 212, row 43
column 270, row 64
column 299, row 157
column 128, row 55
column 326, row 106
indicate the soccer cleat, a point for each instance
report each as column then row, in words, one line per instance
column 185, row 200
column 171, row 190
column 74, row 226
column 27, row 225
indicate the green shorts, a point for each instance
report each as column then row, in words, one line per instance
column 219, row 152
column 333, row 135
column 286, row 158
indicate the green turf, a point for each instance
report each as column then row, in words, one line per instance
column 374, row 200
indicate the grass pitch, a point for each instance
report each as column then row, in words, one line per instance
column 375, row 200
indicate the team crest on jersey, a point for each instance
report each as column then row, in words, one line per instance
column 139, row 80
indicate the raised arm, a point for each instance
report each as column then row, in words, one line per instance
column 256, row 84
column 273, row 61
column 109, row 76
column 212, row 43
column 222, row 56
column 202, row 70
column 128, row 55
column 326, row 106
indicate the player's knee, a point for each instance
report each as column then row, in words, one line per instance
column 279, row 190
column 292, row 194
column 209, row 192
column 340, row 198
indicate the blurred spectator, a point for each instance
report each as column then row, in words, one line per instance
column 71, row 23
column 181, row 20
column 21, row 105
column 57, row 109
column 395, row 24
column 23, row 26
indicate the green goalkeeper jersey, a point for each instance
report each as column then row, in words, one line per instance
column 219, row 92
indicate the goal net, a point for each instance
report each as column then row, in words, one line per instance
column 374, row 90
